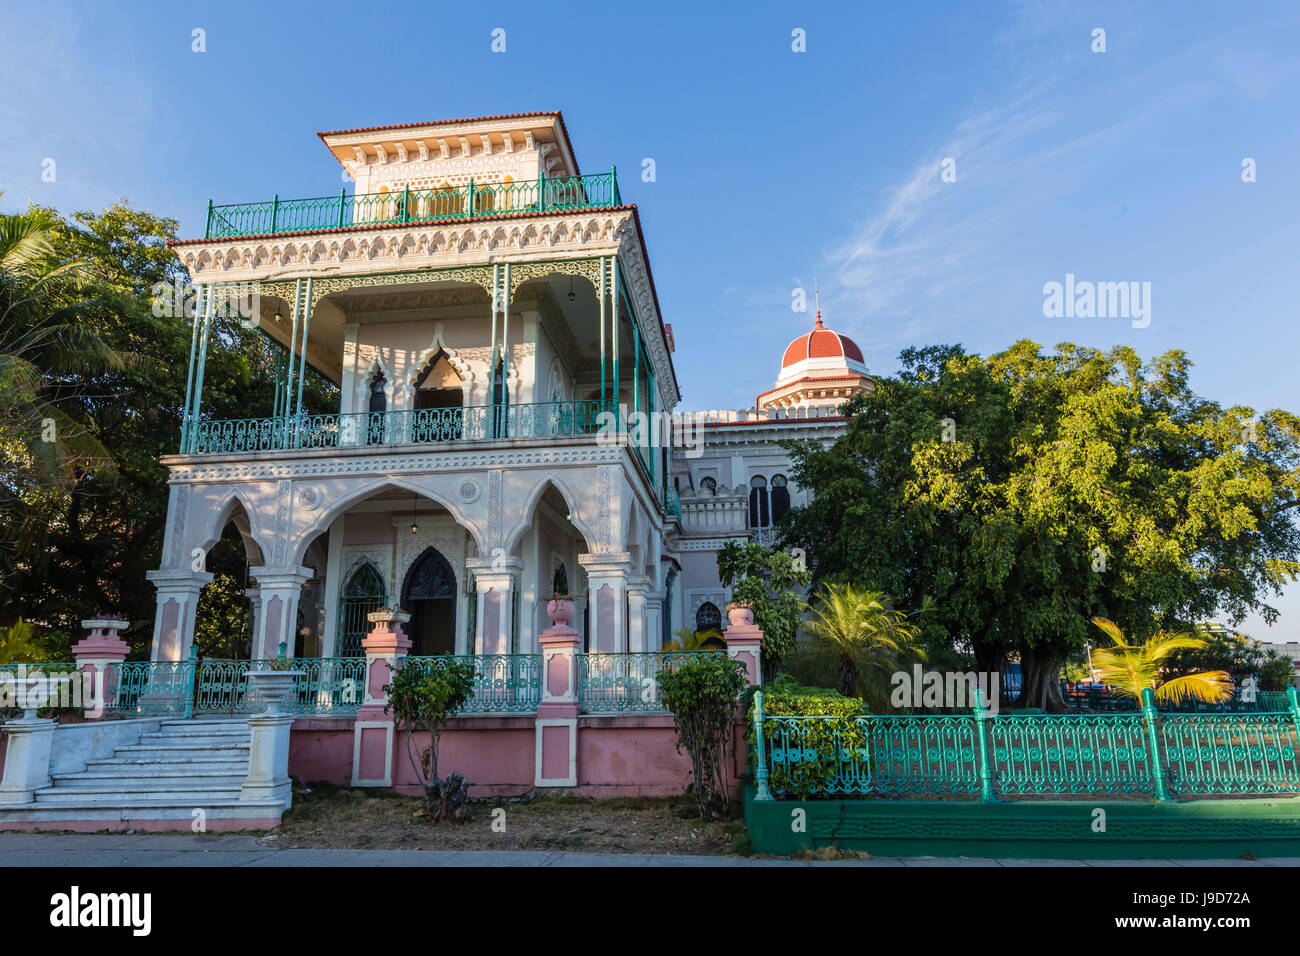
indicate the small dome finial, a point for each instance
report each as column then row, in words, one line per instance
column 817, row 303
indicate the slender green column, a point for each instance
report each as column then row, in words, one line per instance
column 492, row 353
column 198, row 374
column 505, row 335
column 636, row 370
column 987, row 792
column 602, row 334
column 302, row 363
column 614, row 330
column 1153, row 742
column 760, row 745
column 189, row 375
column 293, row 339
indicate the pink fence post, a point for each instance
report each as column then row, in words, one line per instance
column 95, row 654
column 556, row 760
column 744, row 641
column 375, row 731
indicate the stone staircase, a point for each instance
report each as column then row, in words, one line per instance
column 156, row 783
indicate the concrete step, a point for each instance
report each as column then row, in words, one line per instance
column 128, row 780
column 194, row 740
column 184, row 752
column 177, row 795
column 152, row 763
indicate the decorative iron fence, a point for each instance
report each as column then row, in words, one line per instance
column 615, row 683
column 402, row 427
column 1029, row 754
column 503, row 683
column 150, row 689
column 393, row 207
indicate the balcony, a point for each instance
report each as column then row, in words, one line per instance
column 411, row 206
column 542, row 420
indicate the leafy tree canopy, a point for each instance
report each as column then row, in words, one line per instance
column 1032, row 490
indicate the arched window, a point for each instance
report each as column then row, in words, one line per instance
column 708, row 617
column 362, row 594
column 446, row 201
column 710, row 485
column 780, row 497
column 760, row 515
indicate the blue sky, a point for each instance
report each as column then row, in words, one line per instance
column 772, row 167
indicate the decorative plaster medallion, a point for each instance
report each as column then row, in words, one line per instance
column 309, row 498
column 468, row 491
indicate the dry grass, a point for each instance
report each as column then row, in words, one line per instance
column 380, row 820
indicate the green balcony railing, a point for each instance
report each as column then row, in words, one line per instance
column 422, row 426
column 614, row 683
column 399, row 206
column 503, row 683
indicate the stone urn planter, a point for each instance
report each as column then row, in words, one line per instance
column 560, row 610
column 272, row 688
column 741, row 614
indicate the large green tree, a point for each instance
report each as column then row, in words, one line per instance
column 83, row 545
column 1030, row 491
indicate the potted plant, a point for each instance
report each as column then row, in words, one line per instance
column 559, row 607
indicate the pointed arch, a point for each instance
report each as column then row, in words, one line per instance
column 326, row 516
column 430, row 352
column 237, row 508
column 530, row 510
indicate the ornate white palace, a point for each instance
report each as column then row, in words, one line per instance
column 479, row 302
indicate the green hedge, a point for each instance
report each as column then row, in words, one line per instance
column 786, row 697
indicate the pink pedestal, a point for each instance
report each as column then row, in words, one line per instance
column 375, row 733
column 556, row 758
column 744, row 643
column 95, row 654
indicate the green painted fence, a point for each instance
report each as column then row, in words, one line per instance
column 1028, row 755
column 618, row 683
column 399, row 206
column 503, row 683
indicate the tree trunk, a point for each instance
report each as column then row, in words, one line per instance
column 1042, row 682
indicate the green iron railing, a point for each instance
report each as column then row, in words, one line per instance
column 408, row 427
column 1026, row 755
column 150, row 688
column 614, row 683
column 328, row 686
column 395, row 207
column 503, row 683
column 73, row 692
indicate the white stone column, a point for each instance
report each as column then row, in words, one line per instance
column 254, row 596
column 637, row 636
column 277, row 620
column 494, row 584
column 333, row 573
column 607, row 576
column 178, row 600
column 654, row 621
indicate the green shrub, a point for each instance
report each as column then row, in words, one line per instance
column 701, row 691
column 811, row 751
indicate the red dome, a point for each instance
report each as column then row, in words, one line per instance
column 821, row 342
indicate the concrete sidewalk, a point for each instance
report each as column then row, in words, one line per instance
column 150, row 849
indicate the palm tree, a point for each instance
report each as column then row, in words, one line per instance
column 1130, row 669
column 858, row 639
column 42, row 341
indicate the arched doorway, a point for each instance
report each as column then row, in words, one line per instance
column 429, row 594
column 363, row 593
column 439, row 397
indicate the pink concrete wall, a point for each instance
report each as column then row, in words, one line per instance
column 320, row 751
column 627, row 755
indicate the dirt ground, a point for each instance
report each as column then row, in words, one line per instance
column 359, row 819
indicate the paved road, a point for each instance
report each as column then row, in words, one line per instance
column 149, row 849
